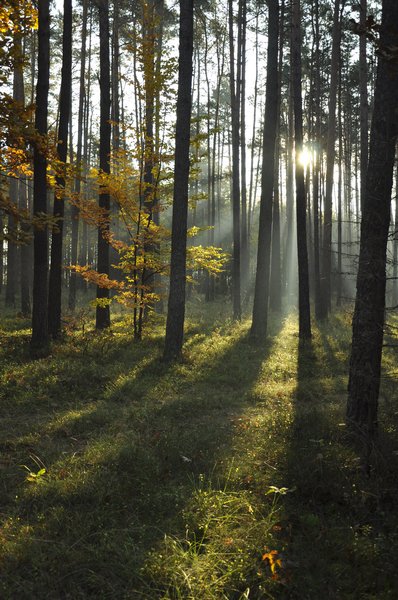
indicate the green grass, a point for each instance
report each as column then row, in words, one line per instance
column 173, row 482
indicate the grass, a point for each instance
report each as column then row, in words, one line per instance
column 227, row 476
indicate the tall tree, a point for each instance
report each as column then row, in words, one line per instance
column 245, row 259
column 75, row 210
column 330, row 159
column 369, row 314
column 317, row 160
column 261, row 293
column 40, row 339
column 102, row 311
column 55, row 280
column 301, row 216
column 236, row 254
column 363, row 97
column 176, row 303
column 15, row 186
column 275, row 299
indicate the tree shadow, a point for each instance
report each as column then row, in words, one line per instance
column 122, row 468
column 334, row 515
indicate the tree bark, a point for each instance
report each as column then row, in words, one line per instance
column 102, row 312
column 304, row 294
column 245, row 271
column 261, row 292
column 75, row 210
column 368, row 321
column 327, row 234
column 55, row 281
column 363, row 98
column 236, row 254
column 176, row 303
column 275, row 300
column 40, row 340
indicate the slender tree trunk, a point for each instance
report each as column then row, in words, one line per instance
column 55, row 281
column 288, row 249
column 363, row 98
column 85, row 251
column 176, row 304
column 102, row 311
column 40, row 340
column 317, row 154
column 253, row 141
column 395, row 249
column 25, row 255
column 261, row 292
column 339, row 282
column 16, row 186
column 304, row 295
column 11, row 284
column 75, row 209
column 276, row 263
column 1, row 252
column 236, row 258
column 368, row 321
column 244, row 233
column 327, row 235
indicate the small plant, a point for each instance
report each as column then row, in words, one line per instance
column 34, row 477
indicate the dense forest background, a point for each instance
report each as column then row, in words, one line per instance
column 199, row 200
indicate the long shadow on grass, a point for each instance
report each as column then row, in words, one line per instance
column 92, row 520
column 335, row 546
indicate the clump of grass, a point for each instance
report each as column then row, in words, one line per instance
column 227, row 530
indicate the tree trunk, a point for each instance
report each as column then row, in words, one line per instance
column 11, row 284
column 55, row 281
column 176, row 304
column 236, row 254
column 395, row 247
column 304, row 295
column 244, row 230
column 327, row 235
column 317, row 153
column 102, row 312
column 275, row 300
column 368, row 321
column 363, row 98
column 39, row 341
column 75, row 210
column 261, row 292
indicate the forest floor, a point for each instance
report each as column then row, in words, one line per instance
column 227, row 476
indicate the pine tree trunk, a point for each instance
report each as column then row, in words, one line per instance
column 176, row 303
column 55, row 281
column 244, row 232
column 102, row 311
column 75, row 210
column 368, row 321
column 363, row 98
column 327, row 234
column 395, row 248
column 236, row 226
column 275, row 299
column 304, row 295
column 40, row 340
column 253, row 140
column 261, row 292
column 11, row 284
column 317, row 163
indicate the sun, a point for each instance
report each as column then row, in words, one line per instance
column 304, row 158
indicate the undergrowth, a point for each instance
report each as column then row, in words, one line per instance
column 226, row 476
